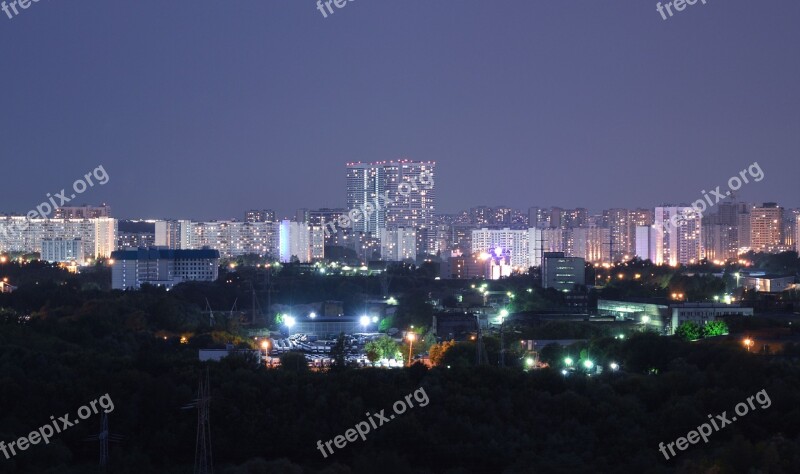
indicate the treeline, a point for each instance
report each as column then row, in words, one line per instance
column 480, row 419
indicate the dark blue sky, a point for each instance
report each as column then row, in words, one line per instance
column 202, row 109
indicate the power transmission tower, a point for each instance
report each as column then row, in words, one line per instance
column 541, row 241
column 502, row 344
column 610, row 244
column 210, row 312
column 104, row 436
column 480, row 351
column 203, row 462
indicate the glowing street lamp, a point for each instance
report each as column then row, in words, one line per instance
column 529, row 362
column 289, row 321
column 614, row 366
column 748, row 343
column 364, row 321
column 588, row 364
column 568, row 361
column 312, row 315
column 411, row 336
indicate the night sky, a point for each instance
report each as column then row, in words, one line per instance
column 202, row 109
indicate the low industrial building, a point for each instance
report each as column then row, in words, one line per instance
column 702, row 313
column 133, row 268
column 326, row 326
column 652, row 312
column 561, row 272
column 455, row 326
column 217, row 355
column 768, row 283
column 657, row 314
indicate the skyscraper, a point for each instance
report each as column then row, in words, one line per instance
column 797, row 234
column 678, row 235
column 766, row 227
column 394, row 194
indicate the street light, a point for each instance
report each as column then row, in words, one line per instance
column 312, row 315
column 289, row 321
column 614, row 366
column 748, row 343
column 364, row 321
column 588, row 364
column 568, row 361
column 411, row 336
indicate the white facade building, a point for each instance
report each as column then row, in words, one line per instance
column 62, row 250
column 295, row 241
column 678, row 235
column 523, row 246
column 98, row 235
column 398, row 244
column 230, row 238
column 646, row 243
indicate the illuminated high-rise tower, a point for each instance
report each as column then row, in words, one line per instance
column 394, row 194
column 678, row 235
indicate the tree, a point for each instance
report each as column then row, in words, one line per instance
column 715, row 328
column 372, row 354
column 437, row 351
column 688, row 331
column 385, row 347
column 294, row 362
column 339, row 353
column 459, row 355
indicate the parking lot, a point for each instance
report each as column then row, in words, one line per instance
column 318, row 350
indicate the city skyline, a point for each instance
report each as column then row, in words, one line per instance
column 540, row 236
